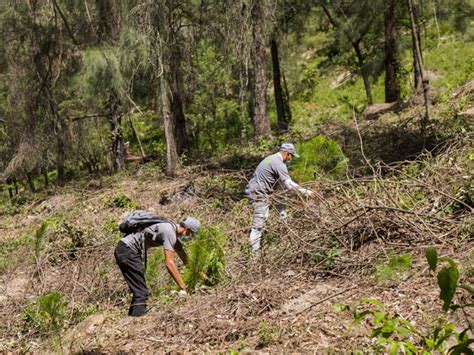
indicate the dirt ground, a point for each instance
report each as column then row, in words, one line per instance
column 282, row 301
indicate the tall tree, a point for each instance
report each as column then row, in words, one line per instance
column 392, row 87
column 282, row 114
column 261, row 120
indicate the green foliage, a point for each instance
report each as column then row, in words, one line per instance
column 452, row 63
column 393, row 269
column 267, row 333
column 215, row 116
column 155, row 259
column 121, row 200
column 326, row 257
column 47, row 314
column 318, row 156
column 432, row 258
column 206, row 256
column 393, row 334
column 410, row 200
column 9, row 256
column 39, row 238
column 110, row 224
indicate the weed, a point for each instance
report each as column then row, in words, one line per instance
column 47, row 314
column 396, row 335
column 410, row 200
column 393, row 269
column 110, row 224
column 326, row 257
column 267, row 333
column 120, row 200
column 155, row 260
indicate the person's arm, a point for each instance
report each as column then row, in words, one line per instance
column 173, row 270
column 288, row 183
column 181, row 253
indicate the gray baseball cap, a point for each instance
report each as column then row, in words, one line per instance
column 192, row 224
column 289, row 148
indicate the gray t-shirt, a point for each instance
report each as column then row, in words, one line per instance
column 269, row 172
column 156, row 235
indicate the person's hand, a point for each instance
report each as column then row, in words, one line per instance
column 182, row 293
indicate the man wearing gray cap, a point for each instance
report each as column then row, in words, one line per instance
column 271, row 172
column 130, row 249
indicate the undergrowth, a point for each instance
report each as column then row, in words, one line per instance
column 206, row 256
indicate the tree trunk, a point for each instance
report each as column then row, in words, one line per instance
column 177, row 107
column 30, row 181
column 261, row 121
column 46, row 179
column 363, row 71
column 424, row 121
column 279, row 103
column 115, row 120
column 286, row 100
column 61, row 150
column 15, row 183
column 415, row 37
column 392, row 88
column 171, row 150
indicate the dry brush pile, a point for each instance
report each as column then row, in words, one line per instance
column 341, row 231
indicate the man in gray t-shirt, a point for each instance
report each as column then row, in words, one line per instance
column 130, row 249
column 271, row 173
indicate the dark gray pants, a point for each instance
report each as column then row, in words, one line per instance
column 131, row 265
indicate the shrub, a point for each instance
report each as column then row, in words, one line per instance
column 121, row 200
column 319, row 155
column 47, row 314
column 206, row 257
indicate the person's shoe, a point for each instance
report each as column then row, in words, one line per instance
column 138, row 311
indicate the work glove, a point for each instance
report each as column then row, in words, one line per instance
column 306, row 192
column 182, row 293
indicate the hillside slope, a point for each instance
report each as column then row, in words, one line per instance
column 330, row 251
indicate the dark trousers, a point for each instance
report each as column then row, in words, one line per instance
column 131, row 265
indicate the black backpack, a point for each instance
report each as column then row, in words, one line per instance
column 136, row 221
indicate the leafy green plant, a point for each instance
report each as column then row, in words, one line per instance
column 393, row 269
column 206, row 256
column 39, row 238
column 47, row 314
column 155, row 260
column 396, row 335
column 267, row 333
column 120, row 200
column 320, row 155
column 110, row 224
column 327, row 257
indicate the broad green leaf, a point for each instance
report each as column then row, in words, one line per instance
column 394, row 348
column 432, row 257
column 447, row 282
column 430, row 343
column 403, row 331
column 411, row 349
column 378, row 317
